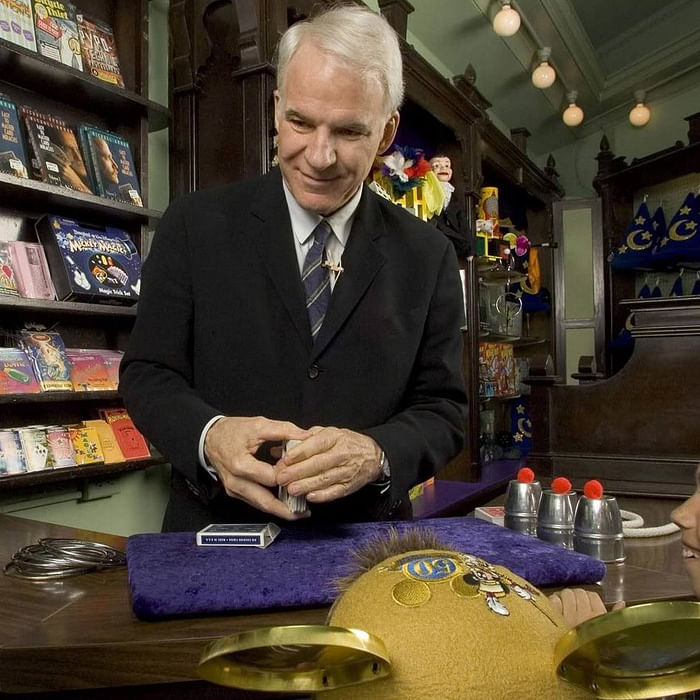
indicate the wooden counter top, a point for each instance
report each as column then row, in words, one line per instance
column 80, row 632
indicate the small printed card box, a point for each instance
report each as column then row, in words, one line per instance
column 492, row 514
column 238, row 535
column 86, row 444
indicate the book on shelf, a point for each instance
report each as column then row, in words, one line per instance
column 13, row 156
column 48, row 355
column 90, row 264
column 55, row 154
column 99, row 50
column 8, row 280
column 110, row 447
column 131, row 442
column 32, row 270
column 17, row 373
column 111, row 165
column 57, row 32
column 88, row 371
column 17, row 23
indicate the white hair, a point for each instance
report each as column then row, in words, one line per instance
column 355, row 35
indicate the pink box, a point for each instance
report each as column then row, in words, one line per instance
column 31, row 270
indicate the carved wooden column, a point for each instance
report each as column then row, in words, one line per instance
column 396, row 13
column 222, row 82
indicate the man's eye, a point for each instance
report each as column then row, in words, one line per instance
column 299, row 124
column 350, row 133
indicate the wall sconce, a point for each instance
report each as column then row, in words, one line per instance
column 507, row 21
column 639, row 114
column 573, row 114
column 544, row 75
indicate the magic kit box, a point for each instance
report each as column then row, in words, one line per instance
column 90, row 264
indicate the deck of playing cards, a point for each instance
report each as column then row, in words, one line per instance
column 238, row 535
column 296, row 504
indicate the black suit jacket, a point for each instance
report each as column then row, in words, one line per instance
column 222, row 329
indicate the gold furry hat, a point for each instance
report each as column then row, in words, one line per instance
column 418, row 620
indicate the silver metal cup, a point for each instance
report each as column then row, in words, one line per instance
column 555, row 518
column 520, row 508
column 598, row 529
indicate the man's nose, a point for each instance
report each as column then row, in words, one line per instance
column 320, row 151
column 684, row 516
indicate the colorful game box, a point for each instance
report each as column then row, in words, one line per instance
column 90, row 264
column 17, row 373
column 497, row 375
column 8, row 281
column 86, row 444
column 31, row 270
column 48, row 355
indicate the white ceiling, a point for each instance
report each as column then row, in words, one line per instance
column 604, row 49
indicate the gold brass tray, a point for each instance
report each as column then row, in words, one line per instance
column 645, row 651
column 295, row 658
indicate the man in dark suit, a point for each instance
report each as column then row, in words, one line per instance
column 233, row 349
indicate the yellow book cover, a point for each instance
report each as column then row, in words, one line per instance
column 86, row 444
column 110, row 448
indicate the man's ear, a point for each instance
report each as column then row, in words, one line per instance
column 389, row 133
column 276, row 95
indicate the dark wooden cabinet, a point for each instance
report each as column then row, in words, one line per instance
column 222, row 82
column 632, row 425
column 30, row 79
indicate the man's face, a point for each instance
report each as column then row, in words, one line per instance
column 108, row 165
column 331, row 125
column 687, row 517
column 442, row 167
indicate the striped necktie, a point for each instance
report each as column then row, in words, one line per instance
column 316, row 278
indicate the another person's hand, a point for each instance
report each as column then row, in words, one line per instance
column 230, row 447
column 330, row 464
column 577, row 605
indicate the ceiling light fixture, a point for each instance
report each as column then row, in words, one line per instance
column 507, row 21
column 640, row 113
column 544, row 75
column 573, row 114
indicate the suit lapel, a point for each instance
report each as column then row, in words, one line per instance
column 272, row 233
column 361, row 262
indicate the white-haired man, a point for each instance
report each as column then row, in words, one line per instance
column 303, row 307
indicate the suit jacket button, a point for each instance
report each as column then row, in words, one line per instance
column 313, row 372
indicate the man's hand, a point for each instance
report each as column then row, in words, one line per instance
column 330, row 464
column 577, row 605
column 230, row 446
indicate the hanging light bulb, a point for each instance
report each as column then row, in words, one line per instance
column 507, row 21
column 573, row 114
column 640, row 113
column 544, row 75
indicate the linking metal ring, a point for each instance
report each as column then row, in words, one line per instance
column 52, row 558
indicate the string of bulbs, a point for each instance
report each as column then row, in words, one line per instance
column 506, row 22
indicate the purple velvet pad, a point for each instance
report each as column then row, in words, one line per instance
column 169, row 575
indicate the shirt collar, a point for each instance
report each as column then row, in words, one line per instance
column 304, row 221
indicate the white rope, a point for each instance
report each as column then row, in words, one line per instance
column 632, row 526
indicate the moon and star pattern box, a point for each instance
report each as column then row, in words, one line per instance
column 90, row 264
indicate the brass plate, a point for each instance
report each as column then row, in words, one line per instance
column 502, row 277
column 295, row 658
column 645, row 651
